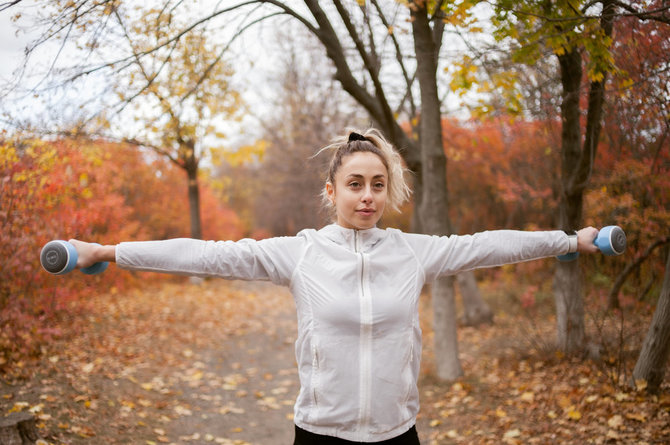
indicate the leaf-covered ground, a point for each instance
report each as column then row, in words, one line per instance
column 213, row 363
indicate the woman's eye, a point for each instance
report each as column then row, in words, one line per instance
column 379, row 185
column 354, row 184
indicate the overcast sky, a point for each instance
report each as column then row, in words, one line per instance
column 11, row 45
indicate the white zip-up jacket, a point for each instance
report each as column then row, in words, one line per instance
column 356, row 293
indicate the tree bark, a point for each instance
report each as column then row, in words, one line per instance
column 18, row 429
column 653, row 358
column 433, row 209
column 567, row 286
column 194, row 205
column 191, row 167
column 447, row 363
column 569, row 307
column 475, row 309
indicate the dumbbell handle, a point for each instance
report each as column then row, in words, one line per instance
column 59, row 257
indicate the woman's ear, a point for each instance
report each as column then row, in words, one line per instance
column 330, row 192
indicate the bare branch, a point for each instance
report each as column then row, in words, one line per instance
column 399, row 58
column 293, row 14
column 613, row 297
column 223, row 51
column 387, row 115
column 658, row 14
column 8, row 5
column 167, row 42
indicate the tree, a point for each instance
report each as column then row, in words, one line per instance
column 650, row 366
column 188, row 88
column 579, row 35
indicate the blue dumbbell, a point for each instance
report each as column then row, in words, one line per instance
column 59, row 257
column 611, row 240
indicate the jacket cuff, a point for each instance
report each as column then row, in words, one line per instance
column 572, row 240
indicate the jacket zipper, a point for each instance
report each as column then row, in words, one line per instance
column 365, row 346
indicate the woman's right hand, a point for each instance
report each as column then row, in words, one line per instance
column 90, row 253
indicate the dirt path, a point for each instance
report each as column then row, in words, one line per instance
column 184, row 364
column 248, row 385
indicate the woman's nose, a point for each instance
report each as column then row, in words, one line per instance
column 367, row 195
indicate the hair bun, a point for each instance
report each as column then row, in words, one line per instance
column 353, row 136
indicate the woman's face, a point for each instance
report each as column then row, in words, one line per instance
column 360, row 190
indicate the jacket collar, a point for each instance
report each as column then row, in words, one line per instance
column 348, row 238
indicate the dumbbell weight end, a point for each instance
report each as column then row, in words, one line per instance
column 59, row 257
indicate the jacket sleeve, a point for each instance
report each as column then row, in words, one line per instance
column 442, row 255
column 271, row 259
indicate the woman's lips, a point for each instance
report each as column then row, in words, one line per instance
column 366, row 211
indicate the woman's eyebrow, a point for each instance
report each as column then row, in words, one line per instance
column 358, row 175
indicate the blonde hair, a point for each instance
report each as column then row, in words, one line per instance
column 370, row 140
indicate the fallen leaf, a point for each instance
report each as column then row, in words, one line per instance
column 636, row 416
column 510, row 434
column 615, row 421
column 574, row 414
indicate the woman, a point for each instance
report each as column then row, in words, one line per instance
column 356, row 289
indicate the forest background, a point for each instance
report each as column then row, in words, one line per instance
column 91, row 170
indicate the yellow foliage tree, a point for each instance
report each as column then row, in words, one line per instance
column 180, row 93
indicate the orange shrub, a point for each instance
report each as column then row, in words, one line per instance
column 95, row 191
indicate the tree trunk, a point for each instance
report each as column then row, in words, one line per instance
column 653, row 358
column 447, row 363
column 569, row 310
column 576, row 167
column 433, row 209
column 194, row 205
column 18, row 429
column 567, row 286
column 475, row 309
column 191, row 167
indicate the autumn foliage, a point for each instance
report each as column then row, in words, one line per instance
column 89, row 190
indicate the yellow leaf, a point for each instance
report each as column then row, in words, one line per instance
column 501, row 413
column 528, row 397
column 640, row 384
column 574, row 414
column 435, row 422
column 19, row 406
